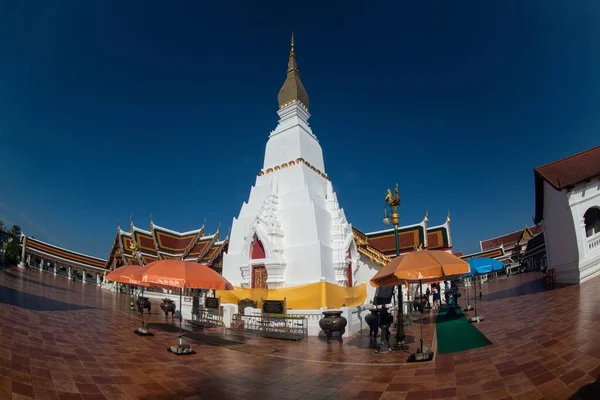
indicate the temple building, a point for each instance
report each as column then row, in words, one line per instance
column 140, row 246
column 291, row 231
column 60, row 261
column 567, row 204
column 508, row 248
column 291, row 238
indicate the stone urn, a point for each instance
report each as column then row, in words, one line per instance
column 372, row 319
column 168, row 306
column 143, row 302
column 333, row 322
column 419, row 303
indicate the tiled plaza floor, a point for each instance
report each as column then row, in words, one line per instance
column 63, row 340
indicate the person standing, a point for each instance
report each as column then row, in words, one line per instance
column 436, row 295
column 447, row 291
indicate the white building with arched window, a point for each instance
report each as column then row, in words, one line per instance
column 567, row 194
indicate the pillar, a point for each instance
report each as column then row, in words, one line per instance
column 69, row 272
column 42, row 263
column 55, row 267
column 22, row 261
column 83, row 274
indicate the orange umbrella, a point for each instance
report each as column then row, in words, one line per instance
column 124, row 275
column 385, row 276
column 181, row 274
column 421, row 266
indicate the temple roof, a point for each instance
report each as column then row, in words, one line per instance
column 564, row 174
column 510, row 239
column 292, row 90
column 491, row 253
column 68, row 257
column 140, row 246
column 380, row 245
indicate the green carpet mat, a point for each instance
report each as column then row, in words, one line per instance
column 456, row 333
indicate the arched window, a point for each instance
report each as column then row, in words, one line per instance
column 258, row 250
column 592, row 221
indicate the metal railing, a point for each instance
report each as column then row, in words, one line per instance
column 206, row 318
column 272, row 326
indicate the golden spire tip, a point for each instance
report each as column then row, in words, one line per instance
column 292, row 41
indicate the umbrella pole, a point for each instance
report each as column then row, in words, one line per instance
column 468, row 299
column 142, row 307
column 180, row 314
column 423, row 312
column 400, row 346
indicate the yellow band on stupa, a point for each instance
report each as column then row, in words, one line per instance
column 305, row 297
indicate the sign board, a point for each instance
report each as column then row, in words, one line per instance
column 242, row 304
column 273, row 306
column 212, row 303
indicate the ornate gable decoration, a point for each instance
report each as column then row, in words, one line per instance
column 139, row 246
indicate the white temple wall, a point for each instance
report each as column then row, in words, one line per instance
column 364, row 273
column 559, row 233
column 582, row 198
column 293, row 139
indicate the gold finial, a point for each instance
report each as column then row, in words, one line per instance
column 426, row 218
column 292, row 91
column 448, row 217
column 292, row 41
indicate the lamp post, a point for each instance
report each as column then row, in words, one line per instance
column 134, row 254
column 392, row 202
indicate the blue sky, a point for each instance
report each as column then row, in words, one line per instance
column 110, row 108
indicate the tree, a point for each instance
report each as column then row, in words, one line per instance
column 13, row 250
column 15, row 231
column 13, row 247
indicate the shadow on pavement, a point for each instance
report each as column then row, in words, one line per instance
column 589, row 391
column 22, row 278
column 531, row 287
column 35, row 303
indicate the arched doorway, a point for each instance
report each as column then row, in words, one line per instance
column 259, row 272
column 349, row 269
column 592, row 221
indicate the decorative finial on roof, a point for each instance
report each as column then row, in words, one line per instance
column 151, row 222
column 218, row 227
column 292, row 91
column 118, row 225
column 426, row 218
column 448, row 217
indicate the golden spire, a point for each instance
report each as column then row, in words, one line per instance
column 292, row 91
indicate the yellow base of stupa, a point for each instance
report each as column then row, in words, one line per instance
column 313, row 296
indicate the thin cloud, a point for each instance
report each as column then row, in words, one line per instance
column 28, row 224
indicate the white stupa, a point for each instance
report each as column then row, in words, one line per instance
column 291, row 231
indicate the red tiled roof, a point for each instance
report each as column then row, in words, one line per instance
column 563, row 174
column 571, row 170
column 509, row 239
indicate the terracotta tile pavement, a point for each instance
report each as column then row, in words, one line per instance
column 60, row 340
